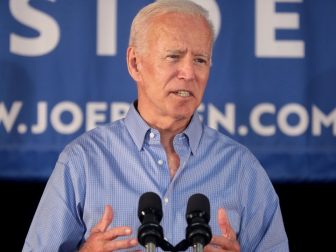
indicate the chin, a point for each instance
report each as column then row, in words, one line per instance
column 182, row 111
column 182, row 115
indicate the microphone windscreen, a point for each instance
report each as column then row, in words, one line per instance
column 150, row 203
column 199, row 203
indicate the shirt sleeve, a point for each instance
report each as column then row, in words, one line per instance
column 57, row 224
column 262, row 226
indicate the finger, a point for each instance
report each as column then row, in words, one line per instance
column 114, row 233
column 105, row 220
column 224, row 225
column 212, row 248
column 220, row 243
column 120, row 244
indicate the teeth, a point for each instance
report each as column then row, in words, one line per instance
column 183, row 93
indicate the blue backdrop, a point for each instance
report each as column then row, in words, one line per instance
column 272, row 84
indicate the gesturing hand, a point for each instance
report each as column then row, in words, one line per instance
column 228, row 240
column 101, row 239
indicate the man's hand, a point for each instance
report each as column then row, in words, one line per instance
column 102, row 239
column 228, row 240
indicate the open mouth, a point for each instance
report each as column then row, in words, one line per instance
column 183, row 93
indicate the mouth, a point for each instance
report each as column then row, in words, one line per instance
column 183, row 93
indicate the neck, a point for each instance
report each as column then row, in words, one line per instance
column 168, row 126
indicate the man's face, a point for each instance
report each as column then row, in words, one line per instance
column 173, row 67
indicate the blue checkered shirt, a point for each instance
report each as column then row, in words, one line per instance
column 116, row 163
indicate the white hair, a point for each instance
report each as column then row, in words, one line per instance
column 142, row 20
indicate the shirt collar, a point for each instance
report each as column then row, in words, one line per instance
column 136, row 126
column 138, row 129
column 194, row 132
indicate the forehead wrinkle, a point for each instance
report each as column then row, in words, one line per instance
column 165, row 25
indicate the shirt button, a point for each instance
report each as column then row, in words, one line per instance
column 151, row 135
column 166, row 200
column 160, row 162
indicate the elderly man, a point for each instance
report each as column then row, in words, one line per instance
column 160, row 146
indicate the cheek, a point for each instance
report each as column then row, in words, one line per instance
column 203, row 81
column 153, row 71
column 163, row 76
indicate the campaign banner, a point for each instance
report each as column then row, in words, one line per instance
column 272, row 85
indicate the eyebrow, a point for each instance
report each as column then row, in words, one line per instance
column 180, row 51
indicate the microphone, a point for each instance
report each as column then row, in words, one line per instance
column 150, row 233
column 198, row 232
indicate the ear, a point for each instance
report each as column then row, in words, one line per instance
column 133, row 63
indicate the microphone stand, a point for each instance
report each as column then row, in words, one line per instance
column 198, row 247
column 150, row 247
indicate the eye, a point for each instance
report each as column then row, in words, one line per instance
column 201, row 61
column 173, row 57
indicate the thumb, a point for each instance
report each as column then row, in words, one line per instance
column 224, row 224
column 105, row 220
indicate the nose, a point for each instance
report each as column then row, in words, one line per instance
column 186, row 70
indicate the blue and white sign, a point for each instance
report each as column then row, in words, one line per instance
column 272, row 84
